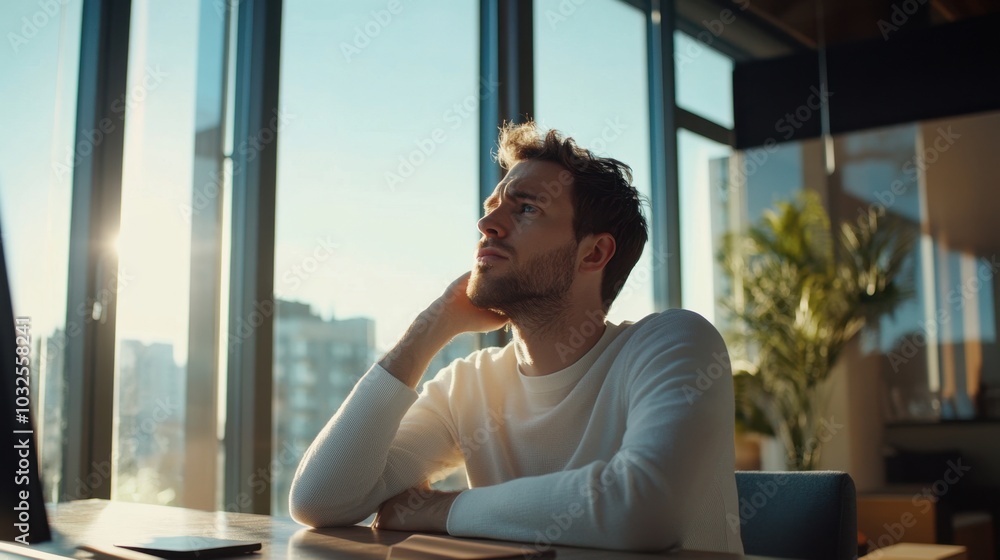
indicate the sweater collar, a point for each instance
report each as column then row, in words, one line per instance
column 569, row 375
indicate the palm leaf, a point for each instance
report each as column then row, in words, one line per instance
column 800, row 294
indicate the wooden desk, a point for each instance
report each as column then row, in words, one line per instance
column 103, row 522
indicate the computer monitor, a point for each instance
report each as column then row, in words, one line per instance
column 23, row 518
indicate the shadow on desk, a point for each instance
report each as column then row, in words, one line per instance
column 343, row 542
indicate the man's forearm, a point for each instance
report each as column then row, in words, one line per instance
column 448, row 316
column 410, row 357
column 417, row 509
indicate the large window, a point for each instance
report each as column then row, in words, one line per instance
column 166, row 448
column 377, row 195
column 591, row 84
column 154, row 251
column 939, row 353
column 707, row 171
column 39, row 64
column 705, row 195
column 704, row 79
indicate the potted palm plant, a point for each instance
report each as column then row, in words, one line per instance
column 800, row 292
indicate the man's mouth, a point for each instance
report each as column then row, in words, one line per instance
column 490, row 255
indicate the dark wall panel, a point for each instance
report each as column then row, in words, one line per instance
column 936, row 72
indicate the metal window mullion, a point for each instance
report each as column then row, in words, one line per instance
column 95, row 220
column 205, row 212
column 665, row 194
column 489, row 106
column 506, row 58
column 704, row 127
column 256, row 126
column 515, row 62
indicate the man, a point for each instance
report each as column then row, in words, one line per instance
column 579, row 431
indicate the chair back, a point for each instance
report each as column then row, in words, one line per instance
column 804, row 515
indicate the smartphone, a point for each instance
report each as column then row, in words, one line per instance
column 191, row 547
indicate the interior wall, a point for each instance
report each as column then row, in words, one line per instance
column 854, row 410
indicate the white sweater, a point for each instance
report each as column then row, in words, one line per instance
column 631, row 447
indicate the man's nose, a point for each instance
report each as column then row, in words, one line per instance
column 490, row 226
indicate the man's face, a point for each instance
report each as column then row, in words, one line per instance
column 527, row 255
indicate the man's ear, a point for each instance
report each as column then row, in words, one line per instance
column 597, row 250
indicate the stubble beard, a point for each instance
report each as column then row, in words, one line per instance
column 532, row 293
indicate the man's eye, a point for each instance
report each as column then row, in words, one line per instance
column 528, row 209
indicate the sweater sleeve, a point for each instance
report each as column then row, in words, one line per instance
column 382, row 441
column 677, row 431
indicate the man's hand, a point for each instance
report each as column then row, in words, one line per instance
column 418, row 509
column 450, row 315
column 455, row 307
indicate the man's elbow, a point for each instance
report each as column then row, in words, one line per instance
column 304, row 509
column 308, row 508
column 313, row 515
column 307, row 516
column 316, row 508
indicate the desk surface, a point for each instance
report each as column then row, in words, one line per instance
column 102, row 522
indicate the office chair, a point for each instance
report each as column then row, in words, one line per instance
column 804, row 515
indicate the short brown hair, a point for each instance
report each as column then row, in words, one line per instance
column 604, row 200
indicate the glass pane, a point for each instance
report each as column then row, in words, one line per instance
column 937, row 353
column 703, row 167
column 377, row 198
column 867, row 163
column 704, row 79
column 952, row 160
column 608, row 114
column 154, row 253
column 39, row 66
column 939, row 348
